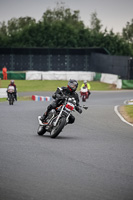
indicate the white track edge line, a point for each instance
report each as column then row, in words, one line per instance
column 119, row 115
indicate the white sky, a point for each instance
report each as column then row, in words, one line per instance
column 114, row 14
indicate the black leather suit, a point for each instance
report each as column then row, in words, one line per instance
column 58, row 96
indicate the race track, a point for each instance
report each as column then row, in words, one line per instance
column 90, row 160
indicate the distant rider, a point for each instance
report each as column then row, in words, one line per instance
column 15, row 89
column 86, row 85
column 59, row 96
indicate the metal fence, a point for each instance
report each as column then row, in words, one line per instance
column 111, row 64
column 53, row 59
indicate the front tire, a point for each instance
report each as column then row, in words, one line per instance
column 83, row 98
column 58, row 128
column 11, row 99
column 41, row 130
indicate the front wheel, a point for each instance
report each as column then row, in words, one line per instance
column 58, row 128
column 41, row 130
column 84, row 98
column 10, row 99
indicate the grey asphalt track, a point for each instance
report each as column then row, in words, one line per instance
column 90, row 160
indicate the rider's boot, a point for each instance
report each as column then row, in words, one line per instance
column 43, row 118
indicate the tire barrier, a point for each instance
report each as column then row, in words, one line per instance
column 40, row 98
column 127, row 84
column 129, row 102
column 66, row 75
column 60, row 75
column 14, row 75
column 3, row 93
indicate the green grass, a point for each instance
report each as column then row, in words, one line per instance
column 51, row 85
column 2, row 99
column 47, row 85
column 129, row 110
column 24, row 98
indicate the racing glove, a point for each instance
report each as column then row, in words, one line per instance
column 78, row 109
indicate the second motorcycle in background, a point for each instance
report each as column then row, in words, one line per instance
column 85, row 91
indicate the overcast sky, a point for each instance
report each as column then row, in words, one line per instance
column 114, row 14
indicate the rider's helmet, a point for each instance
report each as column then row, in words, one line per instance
column 12, row 81
column 72, row 85
column 85, row 82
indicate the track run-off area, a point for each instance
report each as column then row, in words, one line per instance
column 91, row 159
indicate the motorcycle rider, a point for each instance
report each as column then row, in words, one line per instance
column 15, row 90
column 86, row 85
column 59, row 96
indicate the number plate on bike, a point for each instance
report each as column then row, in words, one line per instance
column 69, row 106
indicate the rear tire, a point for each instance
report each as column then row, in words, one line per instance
column 41, row 130
column 58, row 128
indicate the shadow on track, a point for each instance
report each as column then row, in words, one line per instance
column 59, row 137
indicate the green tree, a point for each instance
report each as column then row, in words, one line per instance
column 127, row 32
column 16, row 25
column 62, row 27
column 3, row 28
column 95, row 23
column 60, row 13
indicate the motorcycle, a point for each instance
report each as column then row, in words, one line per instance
column 84, row 93
column 11, row 97
column 58, row 118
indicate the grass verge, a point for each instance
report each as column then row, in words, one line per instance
column 127, row 112
column 2, row 99
column 24, row 98
column 51, row 85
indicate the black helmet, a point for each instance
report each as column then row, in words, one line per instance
column 72, row 85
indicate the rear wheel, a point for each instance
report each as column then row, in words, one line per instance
column 58, row 128
column 41, row 130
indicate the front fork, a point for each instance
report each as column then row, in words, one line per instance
column 54, row 123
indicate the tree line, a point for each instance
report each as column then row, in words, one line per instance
column 62, row 28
